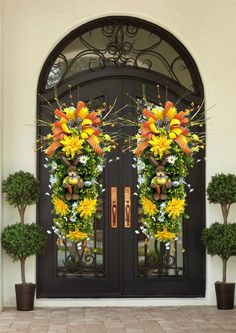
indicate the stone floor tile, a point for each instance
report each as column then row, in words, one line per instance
column 115, row 330
column 193, row 319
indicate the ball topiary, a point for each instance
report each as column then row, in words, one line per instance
column 23, row 240
column 22, row 190
column 222, row 190
column 220, row 239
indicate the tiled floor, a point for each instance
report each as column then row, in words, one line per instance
column 119, row 320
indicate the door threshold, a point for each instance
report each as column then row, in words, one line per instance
column 118, row 302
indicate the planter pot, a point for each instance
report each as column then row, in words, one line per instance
column 225, row 295
column 25, row 296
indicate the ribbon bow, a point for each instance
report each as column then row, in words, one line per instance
column 79, row 119
column 175, row 123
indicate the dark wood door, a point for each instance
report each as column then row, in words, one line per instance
column 126, row 265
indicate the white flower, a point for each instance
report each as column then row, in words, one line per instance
column 87, row 183
column 162, row 205
column 137, row 232
column 53, row 179
column 45, row 166
column 161, row 218
column 49, row 232
column 83, row 159
column 100, row 168
column 140, row 165
column 75, row 205
column 73, row 218
column 141, row 179
column 47, row 193
column 53, row 165
column 171, row 159
column 175, row 183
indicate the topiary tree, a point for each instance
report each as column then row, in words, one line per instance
column 22, row 190
column 220, row 240
column 23, row 240
column 222, row 190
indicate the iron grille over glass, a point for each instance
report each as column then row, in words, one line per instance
column 121, row 42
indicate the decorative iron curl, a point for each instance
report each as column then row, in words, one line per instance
column 120, row 47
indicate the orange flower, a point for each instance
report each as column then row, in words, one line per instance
column 76, row 119
column 164, row 118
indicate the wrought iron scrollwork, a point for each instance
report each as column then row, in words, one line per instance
column 160, row 262
column 121, row 43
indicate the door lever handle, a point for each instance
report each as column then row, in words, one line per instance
column 113, row 207
column 127, row 203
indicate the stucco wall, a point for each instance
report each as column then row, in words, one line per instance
column 1, row 148
column 32, row 28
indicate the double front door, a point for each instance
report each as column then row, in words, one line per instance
column 119, row 261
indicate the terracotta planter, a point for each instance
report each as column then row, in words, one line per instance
column 25, row 296
column 225, row 295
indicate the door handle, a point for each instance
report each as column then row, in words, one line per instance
column 113, row 207
column 127, row 204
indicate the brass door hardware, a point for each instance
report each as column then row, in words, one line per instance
column 127, row 204
column 113, row 207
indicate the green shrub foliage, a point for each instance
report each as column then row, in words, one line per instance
column 220, row 239
column 22, row 188
column 222, row 189
column 23, row 240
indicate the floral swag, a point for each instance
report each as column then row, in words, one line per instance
column 166, row 143
column 75, row 153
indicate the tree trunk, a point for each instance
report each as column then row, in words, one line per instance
column 225, row 212
column 22, row 266
column 224, row 268
column 21, row 210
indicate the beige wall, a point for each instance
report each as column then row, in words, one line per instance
column 32, row 28
column 1, row 101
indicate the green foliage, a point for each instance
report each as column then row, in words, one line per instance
column 222, row 189
column 23, row 240
column 91, row 175
column 220, row 239
column 21, row 188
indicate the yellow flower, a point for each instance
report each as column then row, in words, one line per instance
column 165, row 235
column 72, row 145
column 107, row 137
column 195, row 137
column 61, row 208
column 149, row 208
column 87, row 207
column 76, row 235
column 70, row 113
column 160, row 145
column 175, row 207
